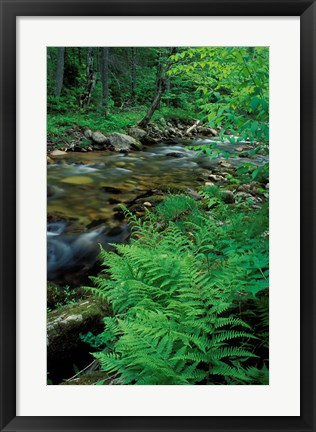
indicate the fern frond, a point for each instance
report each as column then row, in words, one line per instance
column 175, row 293
column 227, row 335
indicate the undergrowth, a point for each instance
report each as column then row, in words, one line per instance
column 117, row 121
column 189, row 297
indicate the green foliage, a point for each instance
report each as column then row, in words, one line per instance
column 175, row 207
column 226, row 86
column 58, row 124
column 117, row 121
column 132, row 78
column 177, row 293
column 233, row 84
column 212, row 194
column 249, row 172
column 179, row 114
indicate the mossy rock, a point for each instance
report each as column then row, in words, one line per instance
column 89, row 378
column 65, row 324
column 138, row 205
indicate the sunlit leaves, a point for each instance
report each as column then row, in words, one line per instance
column 235, row 90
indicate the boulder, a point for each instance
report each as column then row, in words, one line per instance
column 137, row 133
column 88, row 133
column 217, row 178
column 99, row 146
column 172, row 131
column 163, row 122
column 152, row 140
column 122, row 142
column 228, row 197
column 224, row 164
column 57, row 153
column 99, row 138
column 50, row 160
column 156, row 129
column 203, row 130
column 244, row 188
column 244, row 195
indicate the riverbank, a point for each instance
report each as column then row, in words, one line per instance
column 87, row 133
column 86, row 190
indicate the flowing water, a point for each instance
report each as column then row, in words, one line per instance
column 85, row 190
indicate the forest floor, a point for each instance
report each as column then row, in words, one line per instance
column 60, row 127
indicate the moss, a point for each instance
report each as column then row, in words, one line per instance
column 137, row 144
column 58, row 296
column 89, row 378
column 66, row 323
column 87, row 308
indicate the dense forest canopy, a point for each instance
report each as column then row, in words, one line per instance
column 228, row 87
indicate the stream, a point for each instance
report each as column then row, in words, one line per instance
column 85, row 189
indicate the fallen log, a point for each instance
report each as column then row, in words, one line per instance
column 65, row 324
column 192, row 127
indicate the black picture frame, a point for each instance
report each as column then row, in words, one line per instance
column 10, row 9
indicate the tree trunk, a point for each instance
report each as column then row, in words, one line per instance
column 133, row 76
column 60, row 71
column 163, row 66
column 105, row 79
column 168, row 86
column 155, row 103
column 91, row 80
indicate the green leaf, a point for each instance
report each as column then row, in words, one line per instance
column 254, row 103
column 254, row 126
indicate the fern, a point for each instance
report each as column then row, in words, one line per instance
column 178, row 292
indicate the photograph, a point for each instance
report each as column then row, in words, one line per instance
column 157, row 215
column 157, row 206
